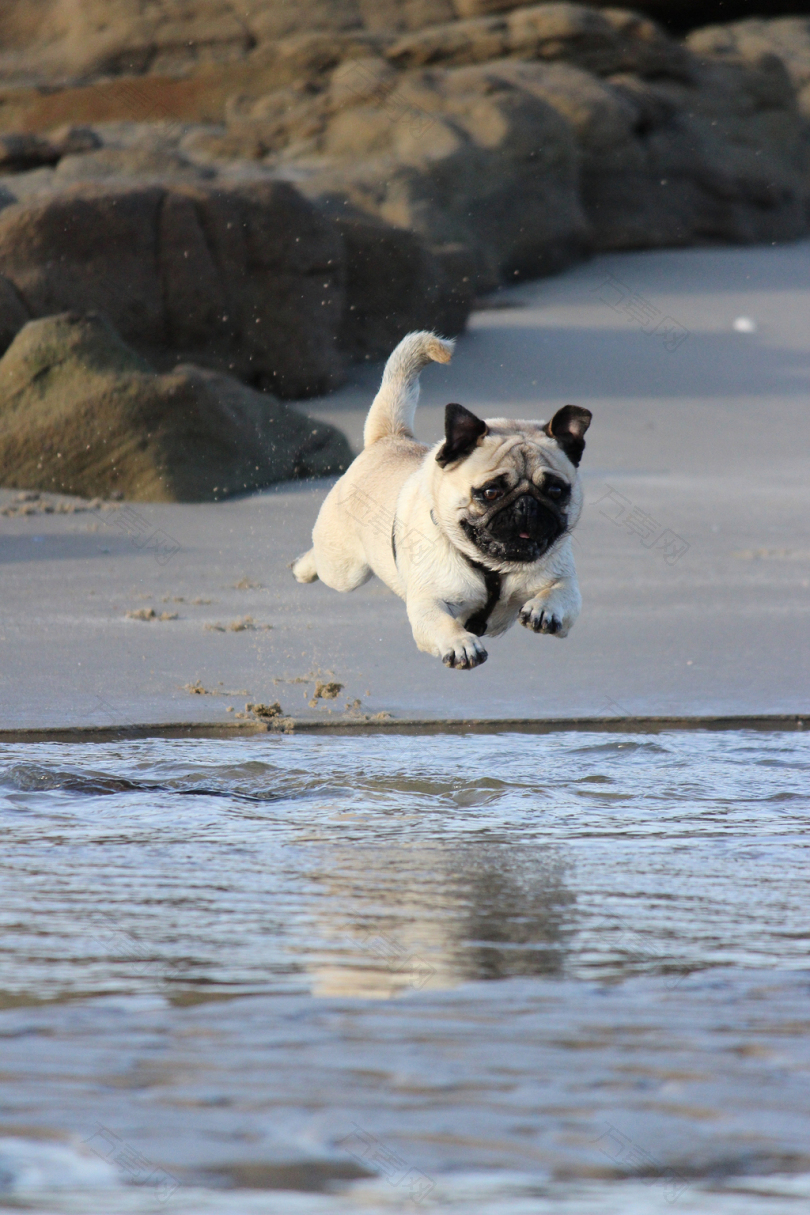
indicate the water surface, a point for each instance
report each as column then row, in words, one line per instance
column 485, row 973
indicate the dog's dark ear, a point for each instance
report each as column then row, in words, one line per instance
column 568, row 427
column 462, row 430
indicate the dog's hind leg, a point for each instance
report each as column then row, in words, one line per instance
column 304, row 568
column 337, row 564
column 340, row 568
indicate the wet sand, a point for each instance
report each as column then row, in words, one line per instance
column 693, row 551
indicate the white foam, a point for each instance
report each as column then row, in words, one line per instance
column 32, row 1164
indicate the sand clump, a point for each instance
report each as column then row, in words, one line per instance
column 147, row 613
column 265, row 711
column 270, row 715
column 325, row 691
column 32, row 502
column 245, row 624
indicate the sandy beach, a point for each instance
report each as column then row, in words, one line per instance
column 693, row 551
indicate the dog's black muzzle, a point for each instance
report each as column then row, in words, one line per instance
column 523, row 530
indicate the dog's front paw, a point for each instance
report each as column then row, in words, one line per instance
column 465, row 654
column 541, row 618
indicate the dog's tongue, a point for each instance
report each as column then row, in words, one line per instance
column 525, row 536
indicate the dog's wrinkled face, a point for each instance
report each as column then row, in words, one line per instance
column 518, row 518
column 511, row 489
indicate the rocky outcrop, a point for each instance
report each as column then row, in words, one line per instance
column 753, row 41
column 601, row 42
column 251, row 279
column 394, row 284
column 82, row 413
column 460, row 157
column 667, row 163
column 504, row 139
column 537, row 134
column 77, row 40
column 248, row 280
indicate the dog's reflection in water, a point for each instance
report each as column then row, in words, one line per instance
column 395, row 920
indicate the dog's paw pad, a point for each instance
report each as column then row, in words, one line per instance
column 465, row 655
column 541, row 620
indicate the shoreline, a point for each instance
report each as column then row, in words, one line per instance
column 767, row 723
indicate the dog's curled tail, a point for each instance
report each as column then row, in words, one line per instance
column 393, row 408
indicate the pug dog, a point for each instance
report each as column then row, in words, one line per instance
column 473, row 533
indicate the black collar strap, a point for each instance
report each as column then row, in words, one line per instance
column 479, row 620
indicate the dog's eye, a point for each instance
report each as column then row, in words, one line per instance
column 555, row 491
column 492, row 494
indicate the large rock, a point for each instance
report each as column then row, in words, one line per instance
column 750, row 41
column 459, row 156
column 82, row 413
column 664, row 162
column 247, row 279
column 252, row 280
column 395, row 284
column 602, row 42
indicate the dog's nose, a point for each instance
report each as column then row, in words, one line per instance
column 526, row 509
column 525, row 515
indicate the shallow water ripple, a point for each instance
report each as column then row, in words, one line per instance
column 558, row 972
